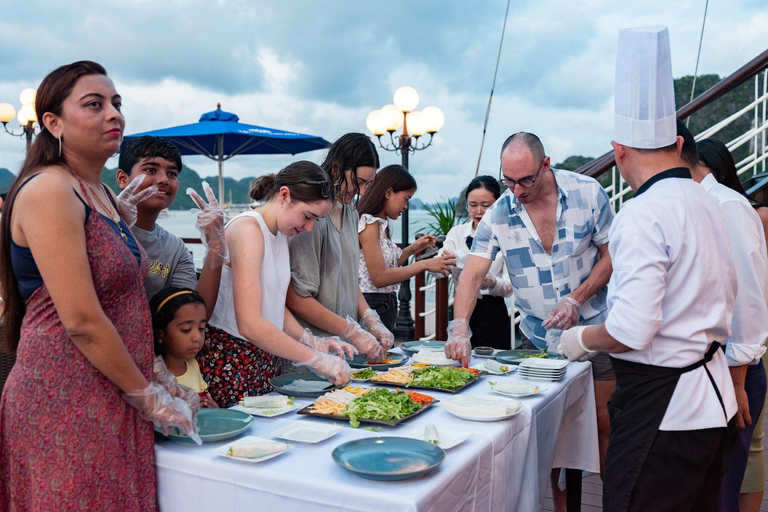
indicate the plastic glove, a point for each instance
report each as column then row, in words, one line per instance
column 155, row 404
column 325, row 345
column 572, row 345
column 210, row 224
column 163, row 376
column 363, row 341
column 128, row 199
column 330, row 367
column 564, row 315
column 373, row 323
column 458, row 346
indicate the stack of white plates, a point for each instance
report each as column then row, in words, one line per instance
column 543, row 369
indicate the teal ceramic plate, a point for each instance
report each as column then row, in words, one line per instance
column 518, row 356
column 411, row 347
column 360, row 361
column 215, row 425
column 388, row 458
column 314, row 386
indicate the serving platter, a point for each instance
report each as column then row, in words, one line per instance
column 360, row 361
column 214, row 425
column 411, row 347
column 518, row 356
column 390, row 423
column 282, row 385
column 479, row 374
column 388, row 458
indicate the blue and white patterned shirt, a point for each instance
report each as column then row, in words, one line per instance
column 540, row 280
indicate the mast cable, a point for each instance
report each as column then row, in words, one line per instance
column 493, row 86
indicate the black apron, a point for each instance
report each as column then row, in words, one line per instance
column 636, row 408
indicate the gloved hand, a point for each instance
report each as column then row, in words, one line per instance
column 564, row 315
column 325, row 345
column 330, row 367
column 373, row 323
column 155, row 404
column 458, row 346
column 572, row 345
column 163, row 376
column 210, row 224
column 363, row 341
column 128, row 199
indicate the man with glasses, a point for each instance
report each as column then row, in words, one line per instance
column 552, row 227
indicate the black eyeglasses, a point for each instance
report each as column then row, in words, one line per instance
column 525, row 182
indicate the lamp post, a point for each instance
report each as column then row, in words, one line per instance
column 27, row 116
column 415, row 123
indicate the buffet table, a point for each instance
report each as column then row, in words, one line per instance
column 504, row 465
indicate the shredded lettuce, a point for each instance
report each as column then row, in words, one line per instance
column 441, row 377
column 368, row 373
column 381, row 404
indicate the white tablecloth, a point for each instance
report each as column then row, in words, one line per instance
column 505, row 465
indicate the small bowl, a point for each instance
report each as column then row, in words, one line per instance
column 484, row 351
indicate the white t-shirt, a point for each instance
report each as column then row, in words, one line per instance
column 671, row 294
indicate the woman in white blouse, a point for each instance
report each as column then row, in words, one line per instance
column 489, row 322
column 383, row 265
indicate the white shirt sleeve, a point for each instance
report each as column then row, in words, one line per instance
column 749, row 327
column 640, row 260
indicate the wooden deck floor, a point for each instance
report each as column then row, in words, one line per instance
column 592, row 488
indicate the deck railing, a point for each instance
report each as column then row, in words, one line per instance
column 619, row 191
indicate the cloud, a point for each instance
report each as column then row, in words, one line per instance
column 320, row 67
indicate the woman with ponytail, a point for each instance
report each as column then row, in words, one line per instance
column 73, row 429
column 250, row 323
column 325, row 289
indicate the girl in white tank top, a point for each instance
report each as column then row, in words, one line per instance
column 250, row 323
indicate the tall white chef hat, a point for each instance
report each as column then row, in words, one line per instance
column 644, row 115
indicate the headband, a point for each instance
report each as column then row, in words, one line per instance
column 182, row 292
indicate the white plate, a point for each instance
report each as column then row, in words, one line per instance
column 493, row 372
column 222, row 450
column 518, row 395
column 265, row 412
column 541, row 379
column 307, row 431
column 448, row 438
column 540, row 373
column 544, row 364
column 518, row 408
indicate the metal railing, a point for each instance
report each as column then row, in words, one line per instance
column 619, row 191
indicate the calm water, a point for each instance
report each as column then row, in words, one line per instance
column 182, row 224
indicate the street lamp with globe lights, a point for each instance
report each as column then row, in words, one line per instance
column 27, row 116
column 415, row 124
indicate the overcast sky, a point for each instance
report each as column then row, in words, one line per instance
column 321, row 67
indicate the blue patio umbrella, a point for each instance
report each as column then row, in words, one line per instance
column 220, row 136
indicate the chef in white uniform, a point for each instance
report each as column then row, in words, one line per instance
column 670, row 303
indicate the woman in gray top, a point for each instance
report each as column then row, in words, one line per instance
column 324, row 293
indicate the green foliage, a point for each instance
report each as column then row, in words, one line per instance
column 719, row 109
column 573, row 162
column 443, row 217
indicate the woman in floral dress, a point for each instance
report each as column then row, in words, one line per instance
column 73, row 429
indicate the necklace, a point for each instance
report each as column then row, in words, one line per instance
column 110, row 209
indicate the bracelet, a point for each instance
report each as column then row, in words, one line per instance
column 581, row 340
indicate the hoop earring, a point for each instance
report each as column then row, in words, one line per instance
column 59, row 139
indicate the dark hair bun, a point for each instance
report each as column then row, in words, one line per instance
column 261, row 187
